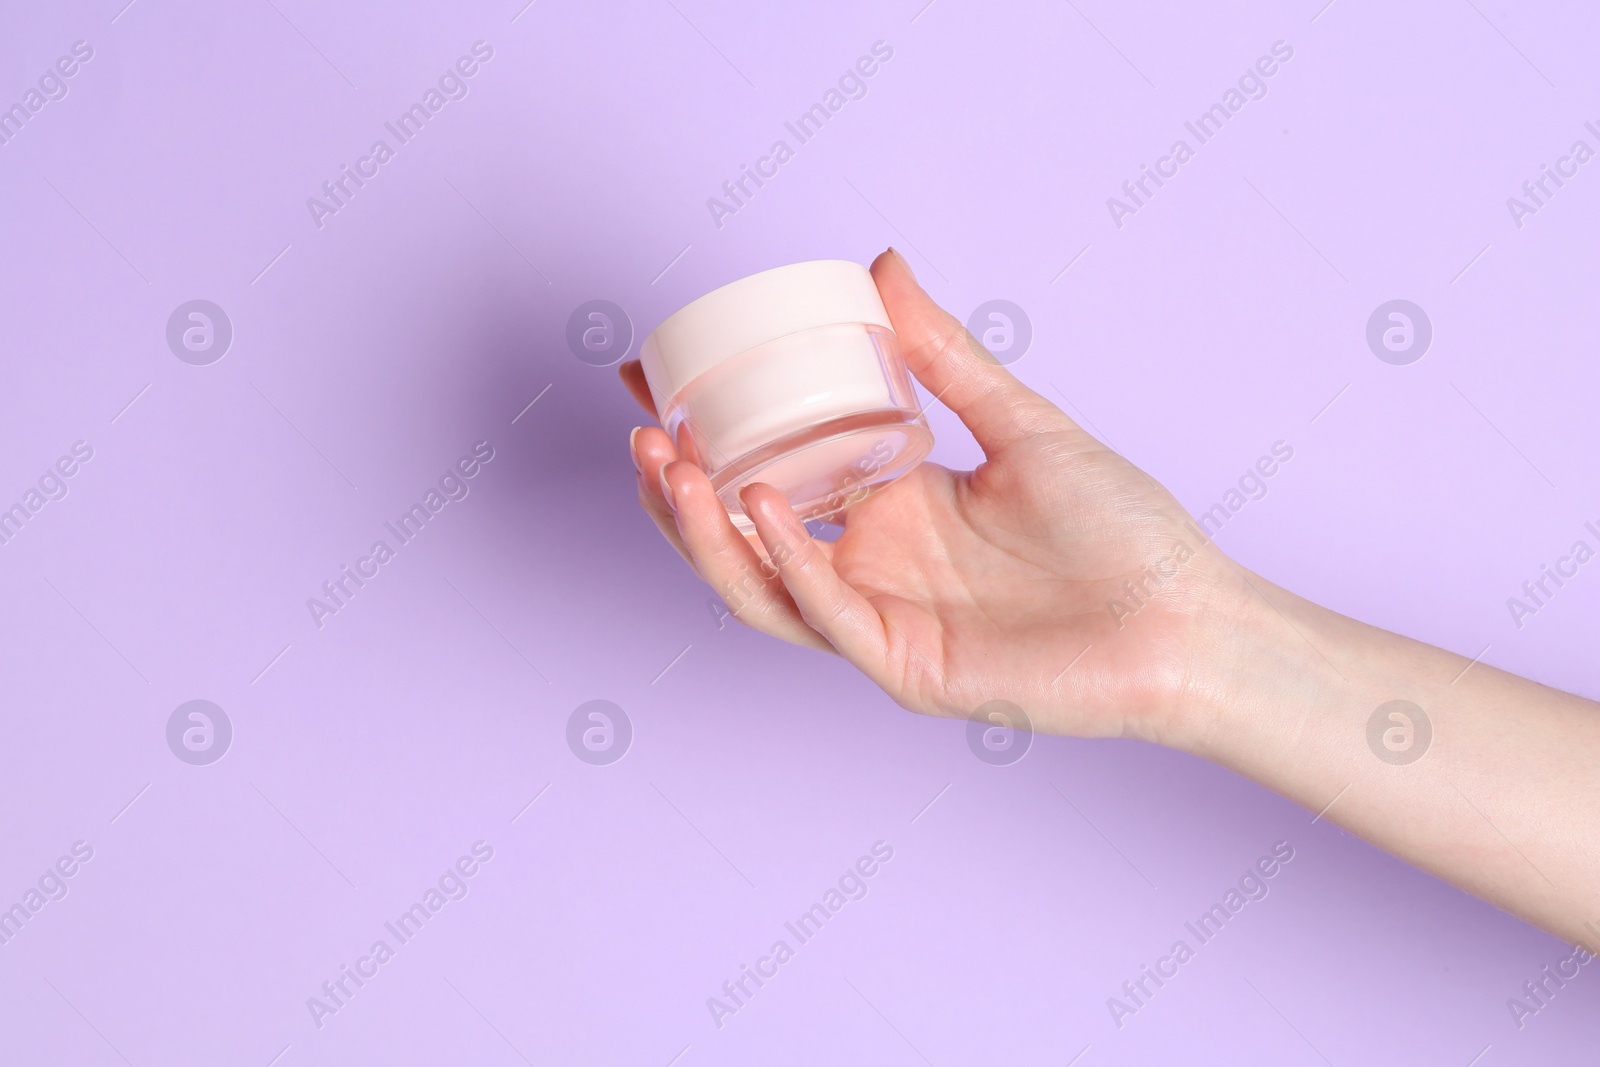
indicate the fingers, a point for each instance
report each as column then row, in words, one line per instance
column 696, row 524
column 827, row 603
column 652, row 449
column 955, row 368
column 632, row 375
column 729, row 562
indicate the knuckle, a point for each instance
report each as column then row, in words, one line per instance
column 805, row 563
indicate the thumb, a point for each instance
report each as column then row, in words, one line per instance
column 953, row 366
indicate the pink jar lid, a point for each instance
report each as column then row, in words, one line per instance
column 753, row 311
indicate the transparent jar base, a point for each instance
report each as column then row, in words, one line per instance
column 825, row 416
column 829, row 468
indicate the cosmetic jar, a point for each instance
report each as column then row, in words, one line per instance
column 791, row 377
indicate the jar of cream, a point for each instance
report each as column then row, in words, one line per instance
column 790, row 377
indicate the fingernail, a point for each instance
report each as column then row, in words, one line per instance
column 633, row 449
column 666, row 490
column 903, row 262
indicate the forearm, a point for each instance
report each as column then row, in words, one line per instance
column 1502, row 801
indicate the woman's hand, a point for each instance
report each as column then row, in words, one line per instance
column 1059, row 577
column 1056, row 576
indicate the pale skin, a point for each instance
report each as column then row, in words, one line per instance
column 952, row 589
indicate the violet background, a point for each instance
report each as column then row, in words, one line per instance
column 366, row 757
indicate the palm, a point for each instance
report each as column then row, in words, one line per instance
column 998, row 583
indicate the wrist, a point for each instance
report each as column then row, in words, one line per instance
column 1265, row 658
